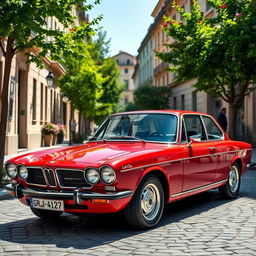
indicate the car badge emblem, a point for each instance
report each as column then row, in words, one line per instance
column 127, row 166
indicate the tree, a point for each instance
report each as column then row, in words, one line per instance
column 23, row 29
column 112, row 87
column 152, row 97
column 83, row 81
column 220, row 51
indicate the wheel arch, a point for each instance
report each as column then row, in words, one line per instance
column 160, row 174
column 238, row 160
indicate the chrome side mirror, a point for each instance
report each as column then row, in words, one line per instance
column 194, row 139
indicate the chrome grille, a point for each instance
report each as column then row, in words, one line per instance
column 72, row 178
column 50, row 177
column 36, row 176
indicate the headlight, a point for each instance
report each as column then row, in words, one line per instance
column 107, row 175
column 92, row 176
column 23, row 172
column 11, row 170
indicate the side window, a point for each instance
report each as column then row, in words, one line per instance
column 212, row 129
column 194, row 126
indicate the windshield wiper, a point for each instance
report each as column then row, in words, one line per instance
column 126, row 138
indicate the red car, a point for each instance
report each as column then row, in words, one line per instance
column 135, row 162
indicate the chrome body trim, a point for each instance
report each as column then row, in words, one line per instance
column 47, row 181
column 66, row 195
column 199, row 188
column 183, row 159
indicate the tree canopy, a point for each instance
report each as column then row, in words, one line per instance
column 152, row 97
column 219, row 51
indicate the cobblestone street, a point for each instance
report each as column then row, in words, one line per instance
column 201, row 225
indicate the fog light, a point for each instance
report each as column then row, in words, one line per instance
column 100, row 201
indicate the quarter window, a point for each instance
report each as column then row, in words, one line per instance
column 212, row 129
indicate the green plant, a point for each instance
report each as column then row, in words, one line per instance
column 219, row 53
column 50, row 129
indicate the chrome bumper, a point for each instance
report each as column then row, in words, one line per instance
column 78, row 195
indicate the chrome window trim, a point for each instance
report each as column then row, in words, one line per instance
column 198, row 188
column 141, row 113
column 70, row 169
column 201, row 117
column 184, row 159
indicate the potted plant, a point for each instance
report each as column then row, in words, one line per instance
column 49, row 130
column 60, row 135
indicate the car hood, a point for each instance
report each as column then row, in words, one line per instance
column 89, row 154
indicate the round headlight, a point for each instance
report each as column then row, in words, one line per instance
column 92, row 176
column 23, row 172
column 11, row 170
column 107, row 175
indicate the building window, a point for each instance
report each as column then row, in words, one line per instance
column 182, row 102
column 194, row 101
column 126, row 85
column 174, row 103
column 34, row 100
column 128, row 62
column 42, row 103
column 117, row 61
column 126, row 101
column 126, row 70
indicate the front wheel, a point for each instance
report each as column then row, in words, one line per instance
column 231, row 189
column 146, row 208
column 45, row 214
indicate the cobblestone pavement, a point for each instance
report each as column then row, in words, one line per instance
column 201, row 225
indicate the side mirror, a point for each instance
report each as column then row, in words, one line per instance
column 194, row 139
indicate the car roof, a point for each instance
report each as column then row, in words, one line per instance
column 176, row 112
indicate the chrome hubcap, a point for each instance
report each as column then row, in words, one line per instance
column 233, row 179
column 150, row 201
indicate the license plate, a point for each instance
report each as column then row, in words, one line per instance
column 52, row 205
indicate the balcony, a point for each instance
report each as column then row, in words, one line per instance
column 160, row 67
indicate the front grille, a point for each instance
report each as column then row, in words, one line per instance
column 72, row 178
column 50, row 177
column 36, row 176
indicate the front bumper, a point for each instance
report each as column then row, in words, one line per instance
column 78, row 195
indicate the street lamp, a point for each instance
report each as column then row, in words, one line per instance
column 50, row 79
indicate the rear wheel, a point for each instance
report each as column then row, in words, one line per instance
column 46, row 214
column 231, row 189
column 146, row 208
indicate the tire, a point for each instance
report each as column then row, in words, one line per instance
column 146, row 207
column 231, row 189
column 46, row 214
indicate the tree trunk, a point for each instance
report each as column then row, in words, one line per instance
column 233, row 111
column 87, row 127
column 4, row 98
column 80, row 124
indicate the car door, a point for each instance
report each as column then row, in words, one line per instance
column 199, row 159
column 223, row 150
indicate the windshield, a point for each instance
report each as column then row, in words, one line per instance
column 146, row 127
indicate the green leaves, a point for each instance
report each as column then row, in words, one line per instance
column 219, row 52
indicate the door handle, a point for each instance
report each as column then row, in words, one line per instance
column 213, row 149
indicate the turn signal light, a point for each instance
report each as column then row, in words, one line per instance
column 100, row 201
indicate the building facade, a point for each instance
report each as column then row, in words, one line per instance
column 184, row 96
column 31, row 102
column 126, row 63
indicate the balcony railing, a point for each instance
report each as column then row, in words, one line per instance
column 160, row 67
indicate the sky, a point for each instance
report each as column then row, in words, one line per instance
column 126, row 22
